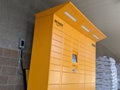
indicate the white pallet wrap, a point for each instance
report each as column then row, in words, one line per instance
column 106, row 74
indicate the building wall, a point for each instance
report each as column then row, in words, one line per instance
column 10, row 75
column 14, row 24
column 16, row 21
column 103, row 51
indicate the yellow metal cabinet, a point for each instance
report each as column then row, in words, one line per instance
column 63, row 53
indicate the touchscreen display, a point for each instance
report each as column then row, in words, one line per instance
column 74, row 58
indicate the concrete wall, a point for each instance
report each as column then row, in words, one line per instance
column 14, row 24
column 103, row 51
column 16, row 21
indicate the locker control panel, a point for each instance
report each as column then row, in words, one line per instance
column 74, row 58
column 74, row 61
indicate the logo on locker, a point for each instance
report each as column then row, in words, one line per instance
column 58, row 23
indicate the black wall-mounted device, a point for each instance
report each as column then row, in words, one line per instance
column 21, row 44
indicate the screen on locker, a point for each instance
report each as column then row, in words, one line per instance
column 74, row 58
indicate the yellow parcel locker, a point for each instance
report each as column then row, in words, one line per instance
column 63, row 53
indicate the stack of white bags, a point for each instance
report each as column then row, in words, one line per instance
column 118, row 74
column 106, row 74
